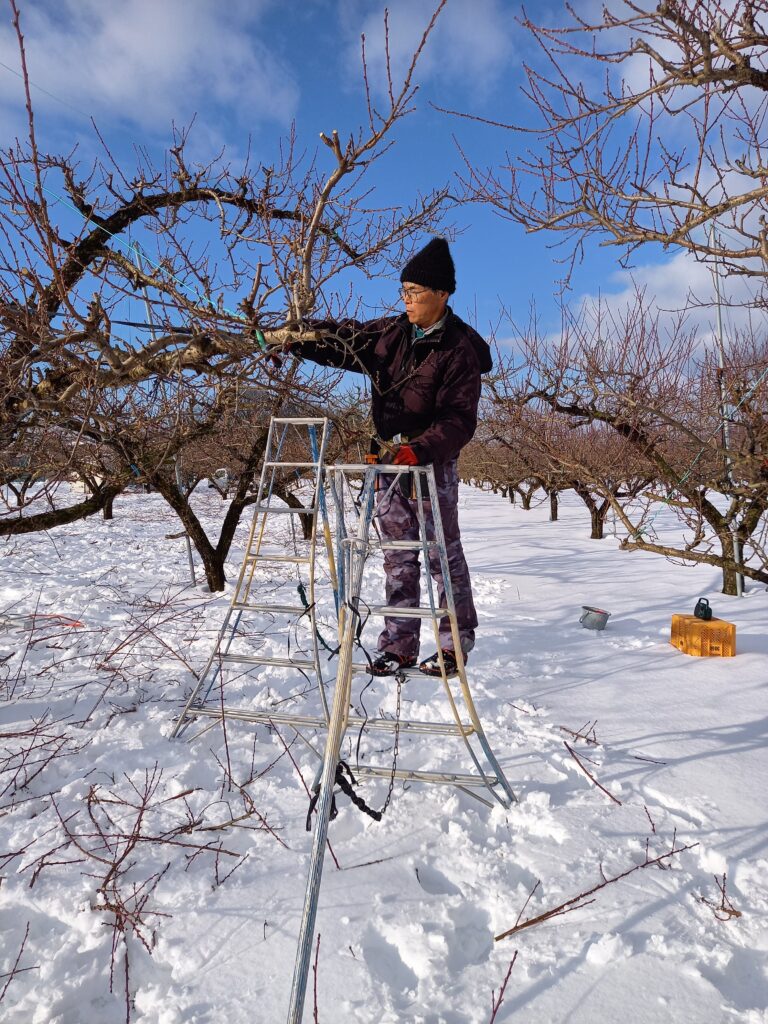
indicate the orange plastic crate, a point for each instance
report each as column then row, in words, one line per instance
column 713, row 639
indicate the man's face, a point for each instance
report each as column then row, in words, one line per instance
column 423, row 306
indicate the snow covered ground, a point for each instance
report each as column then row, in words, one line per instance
column 198, row 845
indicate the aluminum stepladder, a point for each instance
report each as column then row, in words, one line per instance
column 357, row 544
column 352, row 552
column 287, row 436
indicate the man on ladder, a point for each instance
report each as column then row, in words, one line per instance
column 425, row 367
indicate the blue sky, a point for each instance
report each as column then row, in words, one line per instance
column 248, row 69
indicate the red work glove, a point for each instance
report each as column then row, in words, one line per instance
column 406, row 456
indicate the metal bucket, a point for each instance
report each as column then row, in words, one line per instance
column 593, row 618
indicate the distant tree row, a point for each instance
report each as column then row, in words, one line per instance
column 634, row 422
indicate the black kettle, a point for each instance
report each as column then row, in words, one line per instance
column 702, row 609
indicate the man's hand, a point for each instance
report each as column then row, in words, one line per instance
column 270, row 352
column 406, row 456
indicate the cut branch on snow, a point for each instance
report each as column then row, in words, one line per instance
column 587, row 897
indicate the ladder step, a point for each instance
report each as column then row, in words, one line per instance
column 447, row 778
column 406, row 725
column 405, row 545
column 361, row 668
column 255, row 659
column 286, row 510
column 278, row 609
column 292, row 559
column 403, row 613
column 263, row 717
column 410, row 673
column 316, row 722
column 301, row 421
column 390, row 545
column 292, row 465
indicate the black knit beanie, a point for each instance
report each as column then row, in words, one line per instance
column 432, row 267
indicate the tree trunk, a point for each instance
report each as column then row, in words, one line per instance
column 212, row 558
column 598, row 523
column 108, row 513
column 728, row 547
column 235, row 510
column 213, row 563
column 526, row 497
column 553, row 506
column 752, row 512
column 597, row 513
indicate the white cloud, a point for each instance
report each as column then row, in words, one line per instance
column 681, row 283
column 470, row 46
column 147, row 63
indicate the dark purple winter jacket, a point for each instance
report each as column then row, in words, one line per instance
column 427, row 389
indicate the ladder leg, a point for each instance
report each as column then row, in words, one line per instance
column 466, row 694
column 318, row 503
column 323, row 506
column 450, row 609
column 336, row 729
column 204, row 674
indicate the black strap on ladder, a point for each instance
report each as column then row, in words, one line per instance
column 346, row 787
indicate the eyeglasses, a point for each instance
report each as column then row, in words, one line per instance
column 413, row 294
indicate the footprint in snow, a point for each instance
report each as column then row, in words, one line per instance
column 676, row 808
column 435, row 882
column 388, row 967
column 471, row 940
column 741, row 979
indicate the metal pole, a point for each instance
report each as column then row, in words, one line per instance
column 180, row 485
column 725, row 410
column 336, row 729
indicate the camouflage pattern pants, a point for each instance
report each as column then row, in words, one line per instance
column 397, row 518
